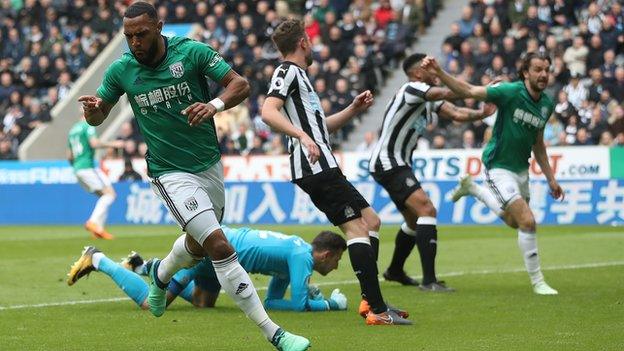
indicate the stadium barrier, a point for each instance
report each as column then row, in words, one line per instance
column 258, row 191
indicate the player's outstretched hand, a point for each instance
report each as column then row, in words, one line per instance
column 337, row 300
column 488, row 109
column 90, row 103
column 556, row 191
column 363, row 101
column 430, row 65
column 199, row 112
column 313, row 150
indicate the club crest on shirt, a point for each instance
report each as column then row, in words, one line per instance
column 191, row 204
column 544, row 112
column 349, row 212
column 410, row 182
column 177, row 70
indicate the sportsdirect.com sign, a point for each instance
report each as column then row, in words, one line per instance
column 568, row 163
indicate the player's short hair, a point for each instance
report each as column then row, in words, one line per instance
column 139, row 8
column 328, row 240
column 526, row 61
column 287, row 35
column 412, row 60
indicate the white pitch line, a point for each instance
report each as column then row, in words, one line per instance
column 448, row 274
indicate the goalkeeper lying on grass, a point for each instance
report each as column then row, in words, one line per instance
column 287, row 258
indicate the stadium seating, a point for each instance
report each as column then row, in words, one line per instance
column 356, row 45
column 45, row 46
column 584, row 39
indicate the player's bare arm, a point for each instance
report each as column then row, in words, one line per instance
column 95, row 109
column 272, row 116
column 539, row 150
column 459, row 87
column 360, row 104
column 440, row 93
column 96, row 143
column 236, row 89
column 463, row 114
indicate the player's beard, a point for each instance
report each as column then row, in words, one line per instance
column 309, row 59
column 150, row 55
column 536, row 86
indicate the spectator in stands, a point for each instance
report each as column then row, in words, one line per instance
column 576, row 56
column 6, row 150
column 582, row 137
column 439, row 142
column 468, row 140
column 617, row 86
column 564, row 109
column 230, row 148
column 609, row 67
column 257, row 147
column 577, row 93
column 129, row 174
column 606, row 139
column 552, row 131
column 467, row 22
column 368, row 143
column 276, row 146
column 384, row 14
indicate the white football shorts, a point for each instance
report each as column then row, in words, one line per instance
column 508, row 186
column 92, row 179
column 186, row 195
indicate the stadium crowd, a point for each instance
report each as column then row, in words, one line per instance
column 47, row 44
column 585, row 41
column 356, row 46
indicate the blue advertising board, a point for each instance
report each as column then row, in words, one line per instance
column 586, row 202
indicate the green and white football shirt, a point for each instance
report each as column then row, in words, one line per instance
column 159, row 94
column 78, row 143
column 519, row 120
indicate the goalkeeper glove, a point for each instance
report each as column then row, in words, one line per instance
column 337, row 300
column 314, row 293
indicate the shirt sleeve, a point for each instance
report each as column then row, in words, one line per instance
column 91, row 133
column 111, row 90
column 499, row 93
column 209, row 62
column 415, row 92
column 300, row 269
column 282, row 81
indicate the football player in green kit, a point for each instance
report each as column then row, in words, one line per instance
column 523, row 110
column 165, row 80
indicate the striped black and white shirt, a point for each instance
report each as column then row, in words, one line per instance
column 406, row 118
column 303, row 108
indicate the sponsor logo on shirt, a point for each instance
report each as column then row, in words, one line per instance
column 521, row 116
column 214, row 60
column 164, row 94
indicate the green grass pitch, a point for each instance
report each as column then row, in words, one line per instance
column 493, row 308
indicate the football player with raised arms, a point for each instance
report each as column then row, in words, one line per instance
column 523, row 110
